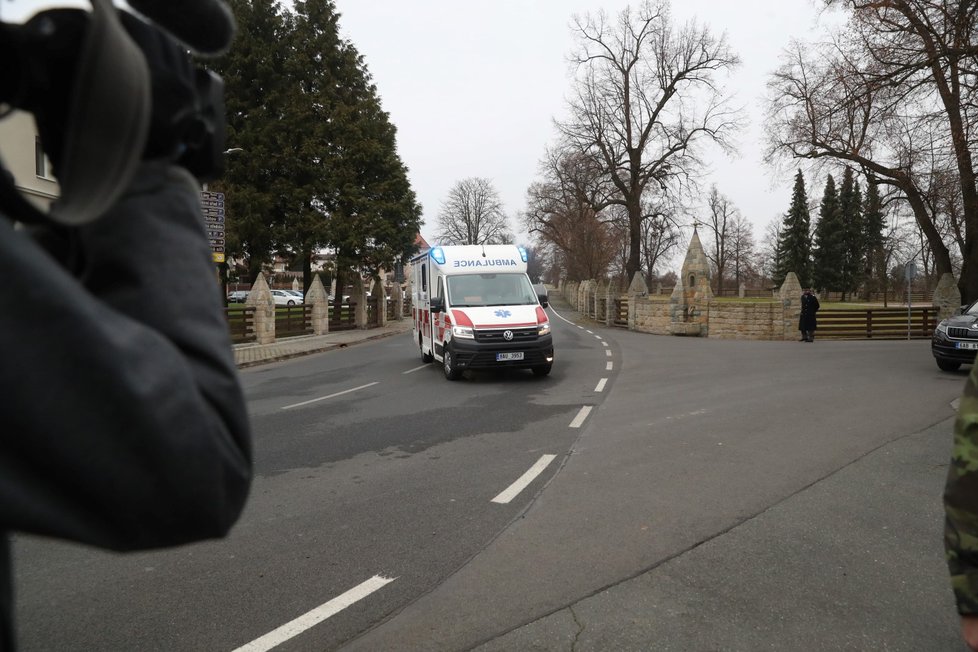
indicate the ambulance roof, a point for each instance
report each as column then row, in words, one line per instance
column 468, row 259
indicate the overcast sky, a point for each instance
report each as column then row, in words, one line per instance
column 473, row 87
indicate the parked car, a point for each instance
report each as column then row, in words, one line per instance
column 301, row 297
column 955, row 340
column 285, row 298
column 238, row 296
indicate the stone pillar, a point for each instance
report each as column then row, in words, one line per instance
column 611, row 294
column 742, row 291
column 397, row 301
column 317, row 298
column 380, row 297
column 296, row 285
column 947, row 297
column 636, row 289
column 359, row 296
column 260, row 298
column 600, row 296
column 790, row 296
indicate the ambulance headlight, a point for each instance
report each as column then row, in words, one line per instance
column 463, row 332
column 543, row 329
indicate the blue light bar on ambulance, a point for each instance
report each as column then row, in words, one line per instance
column 522, row 253
column 438, row 255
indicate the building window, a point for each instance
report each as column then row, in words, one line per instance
column 42, row 166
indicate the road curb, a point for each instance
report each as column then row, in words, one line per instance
column 244, row 364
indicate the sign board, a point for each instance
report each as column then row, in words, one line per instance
column 212, row 207
column 910, row 271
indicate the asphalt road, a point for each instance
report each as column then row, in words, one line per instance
column 376, row 479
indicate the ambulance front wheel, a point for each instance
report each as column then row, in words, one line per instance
column 542, row 370
column 451, row 371
column 425, row 357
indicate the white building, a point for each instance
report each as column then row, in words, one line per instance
column 21, row 154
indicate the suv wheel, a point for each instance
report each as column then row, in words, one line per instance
column 947, row 365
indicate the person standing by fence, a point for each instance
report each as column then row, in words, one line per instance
column 806, row 320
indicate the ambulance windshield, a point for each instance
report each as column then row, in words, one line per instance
column 472, row 290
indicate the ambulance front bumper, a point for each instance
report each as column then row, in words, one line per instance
column 473, row 354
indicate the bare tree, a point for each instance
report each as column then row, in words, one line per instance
column 560, row 211
column 741, row 250
column 721, row 215
column 645, row 97
column 473, row 214
column 894, row 93
column 660, row 237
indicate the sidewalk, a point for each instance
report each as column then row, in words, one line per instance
column 250, row 354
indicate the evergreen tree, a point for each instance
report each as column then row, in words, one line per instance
column 874, row 222
column 852, row 245
column 794, row 253
column 320, row 165
column 255, row 86
column 828, row 256
column 358, row 185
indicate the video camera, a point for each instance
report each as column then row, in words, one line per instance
column 109, row 87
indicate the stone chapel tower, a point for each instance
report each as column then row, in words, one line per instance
column 690, row 300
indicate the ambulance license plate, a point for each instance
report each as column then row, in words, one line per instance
column 967, row 345
column 503, row 357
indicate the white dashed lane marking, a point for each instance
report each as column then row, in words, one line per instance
column 601, row 384
column 319, row 614
column 524, row 481
column 323, row 398
column 581, row 416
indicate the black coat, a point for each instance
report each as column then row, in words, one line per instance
column 809, row 306
column 124, row 424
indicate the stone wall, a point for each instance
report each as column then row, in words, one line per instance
column 651, row 314
column 747, row 321
column 694, row 311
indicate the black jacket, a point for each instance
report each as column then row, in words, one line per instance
column 809, row 306
column 123, row 421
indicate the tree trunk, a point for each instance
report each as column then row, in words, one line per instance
column 306, row 271
column 634, row 205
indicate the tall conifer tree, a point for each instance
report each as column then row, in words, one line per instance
column 874, row 223
column 828, row 255
column 255, row 88
column 357, row 196
column 853, row 245
column 794, row 252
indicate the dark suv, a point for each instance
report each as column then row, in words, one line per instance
column 955, row 340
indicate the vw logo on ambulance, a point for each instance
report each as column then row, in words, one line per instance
column 475, row 308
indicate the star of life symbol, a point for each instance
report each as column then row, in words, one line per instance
column 502, row 313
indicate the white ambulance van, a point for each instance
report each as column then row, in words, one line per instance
column 475, row 308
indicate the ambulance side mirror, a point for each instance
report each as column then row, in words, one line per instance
column 437, row 304
column 544, row 301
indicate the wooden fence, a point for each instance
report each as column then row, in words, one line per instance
column 291, row 321
column 621, row 311
column 876, row 323
column 342, row 316
column 241, row 322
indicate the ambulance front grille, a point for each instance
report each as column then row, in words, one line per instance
column 498, row 334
